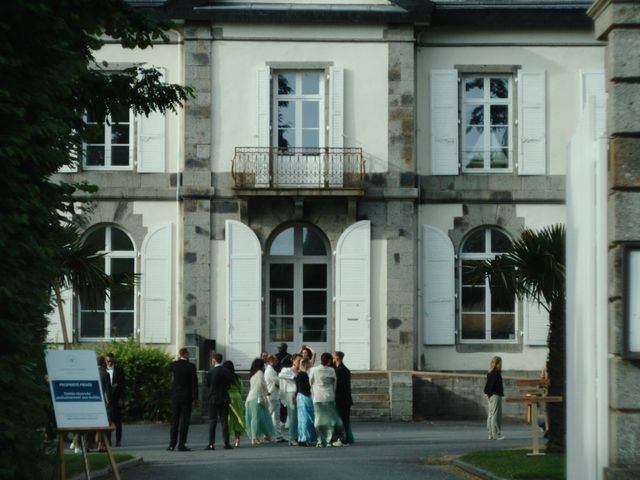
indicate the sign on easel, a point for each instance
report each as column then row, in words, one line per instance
column 76, row 392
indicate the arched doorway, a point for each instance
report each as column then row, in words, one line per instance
column 297, row 286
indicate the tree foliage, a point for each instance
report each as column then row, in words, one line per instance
column 534, row 268
column 49, row 80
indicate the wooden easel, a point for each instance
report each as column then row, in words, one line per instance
column 532, row 393
column 59, row 468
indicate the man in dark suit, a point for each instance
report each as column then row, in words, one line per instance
column 219, row 380
column 184, row 391
column 116, row 373
column 343, row 392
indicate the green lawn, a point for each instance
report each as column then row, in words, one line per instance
column 74, row 463
column 516, row 464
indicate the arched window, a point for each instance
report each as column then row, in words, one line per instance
column 297, row 273
column 483, row 316
column 109, row 316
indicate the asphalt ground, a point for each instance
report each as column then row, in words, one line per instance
column 393, row 450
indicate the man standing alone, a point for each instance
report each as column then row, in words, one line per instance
column 184, row 391
column 219, row 380
column 116, row 373
column 343, row 392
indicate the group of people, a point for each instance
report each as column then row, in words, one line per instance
column 285, row 391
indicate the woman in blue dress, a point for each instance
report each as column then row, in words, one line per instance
column 304, row 406
column 257, row 418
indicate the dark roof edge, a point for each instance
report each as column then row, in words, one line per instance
column 522, row 16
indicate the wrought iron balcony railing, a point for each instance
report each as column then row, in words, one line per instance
column 317, row 168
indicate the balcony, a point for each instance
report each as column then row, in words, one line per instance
column 268, row 169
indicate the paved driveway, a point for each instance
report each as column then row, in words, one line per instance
column 383, row 451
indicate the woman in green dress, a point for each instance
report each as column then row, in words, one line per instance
column 257, row 419
column 236, row 405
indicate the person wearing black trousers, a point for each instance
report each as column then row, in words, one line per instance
column 219, row 379
column 344, row 401
column 184, row 392
column 116, row 373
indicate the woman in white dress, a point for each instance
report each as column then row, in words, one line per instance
column 257, row 418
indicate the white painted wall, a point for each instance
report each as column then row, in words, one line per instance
column 539, row 216
column 447, row 358
column 234, row 95
column 561, row 54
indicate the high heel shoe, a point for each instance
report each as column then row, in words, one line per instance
column 237, row 444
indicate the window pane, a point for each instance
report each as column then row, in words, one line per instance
column 281, row 302
column 95, row 156
column 286, row 84
column 95, row 134
column 474, row 160
column 121, row 324
column 120, row 134
column 314, row 276
column 314, row 329
column 311, row 114
column 311, row 83
column 500, row 243
column 120, row 241
column 92, row 324
column 120, row 115
column 474, row 114
column 283, row 243
column 281, row 275
column 286, row 114
column 312, row 244
column 120, row 156
column 122, row 299
column 472, row 326
column 474, row 87
column 500, row 158
column 502, row 303
column 474, row 139
column 503, row 327
column 475, row 242
column 96, row 239
column 499, row 115
column 121, row 267
column 467, row 278
column 286, row 139
column 314, row 302
column 499, row 137
column 281, row 329
column 473, row 299
column 499, row 87
column 311, row 139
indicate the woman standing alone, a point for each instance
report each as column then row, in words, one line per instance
column 493, row 392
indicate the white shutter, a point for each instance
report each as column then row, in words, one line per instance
column 244, row 294
column 444, row 122
column 353, row 295
column 532, row 131
column 54, row 330
column 537, row 319
column 593, row 85
column 156, row 285
column 336, row 127
column 151, row 140
column 263, row 124
column 439, row 287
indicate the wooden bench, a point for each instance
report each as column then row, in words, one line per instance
column 533, row 392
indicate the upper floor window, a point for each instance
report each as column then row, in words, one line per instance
column 484, row 315
column 111, row 316
column 481, row 123
column 298, row 110
column 110, row 140
column 487, row 123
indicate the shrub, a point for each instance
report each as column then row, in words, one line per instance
column 148, row 379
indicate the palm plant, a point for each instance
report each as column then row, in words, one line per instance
column 534, row 268
column 81, row 269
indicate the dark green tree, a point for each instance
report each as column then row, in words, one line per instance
column 49, row 80
column 534, row 268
